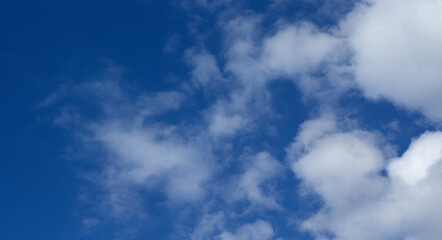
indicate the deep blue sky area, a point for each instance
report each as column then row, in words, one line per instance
column 56, row 161
column 43, row 44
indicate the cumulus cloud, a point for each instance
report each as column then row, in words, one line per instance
column 342, row 166
column 365, row 193
column 397, row 52
column 345, row 169
column 416, row 163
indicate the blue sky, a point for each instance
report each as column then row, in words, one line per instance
column 221, row 119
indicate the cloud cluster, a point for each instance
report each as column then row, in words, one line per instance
column 251, row 59
column 143, row 152
column 365, row 194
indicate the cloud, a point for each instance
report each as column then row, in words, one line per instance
column 345, row 169
column 416, row 163
column 153, row 157
column 298, row 48
column 226, row 125
column 172, row 44
column 316, row 60
column 208, row 225
column 141, row 151
column 253, row 183
column 243, row 97
column 91, row 222
column 341, row 166
column 260, row 230
column 397, row 52
column 251, row 59
column 205, row 70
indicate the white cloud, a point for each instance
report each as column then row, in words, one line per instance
column 208, row 225
column 259, row 171
column 298, row 49
column 252, row 60
column 139, row 153
column 397, row 52
column 260, row 230
column 205, row 70
column 151, row 157
column 226, row 125
column 416, row 163
column 341, row 166
column 246, row 97
column 344, row 169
